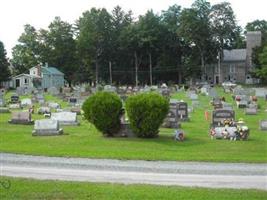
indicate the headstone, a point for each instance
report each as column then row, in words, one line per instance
column 14, row 106
column 40, row 98
column 251, row 111
column 2, row 101
column 53, row 91
column 227, row 106
column 76, row 110
column 14, row 99
column 46, row 127
column 53, row 105
column 4, row 110
column 44, row 110
column 21, row 118
column 218, row 116
column 171, row 120
column 20, row 91
column 195, row 104
column 213, row 93
column 182, row 111
column 73, row 101
column 26, row 102
column 260, row 92
column 110, row 88
column 193, row 96
column 263, row 125
column 65, row 118
column 217, row 103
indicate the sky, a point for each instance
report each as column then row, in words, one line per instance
column 14, row 14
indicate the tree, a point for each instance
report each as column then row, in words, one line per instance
column 94, row 40
column 195, row 30
column 58, row 47
column 26, row 54
column 224, row 25
column 261, row 72
column 5, row 73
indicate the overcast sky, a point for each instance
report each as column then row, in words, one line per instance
column 39, row 13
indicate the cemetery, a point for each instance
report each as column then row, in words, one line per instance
column 186, row 114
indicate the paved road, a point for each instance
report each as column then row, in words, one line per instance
column 200, row 174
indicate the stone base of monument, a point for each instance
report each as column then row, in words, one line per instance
column 4, row 110
column 171, row 124
column 125, row 131
column 46, row 127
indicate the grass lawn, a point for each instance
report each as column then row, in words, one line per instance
column 34, row 189
column 86, row 141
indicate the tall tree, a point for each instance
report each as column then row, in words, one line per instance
column 195, row 30
column 224, row 24
column 94, row 40
column 25, row 54
column 59, row 47
column 261, row 72
column 5, row 73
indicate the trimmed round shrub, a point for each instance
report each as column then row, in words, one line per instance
column 146, row 113
column 103, row 109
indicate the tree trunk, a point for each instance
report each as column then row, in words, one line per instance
column 202, row 66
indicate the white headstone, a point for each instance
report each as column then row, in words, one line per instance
column 65, row 118
column 46, row 127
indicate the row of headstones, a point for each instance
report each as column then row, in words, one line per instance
column 45, row 126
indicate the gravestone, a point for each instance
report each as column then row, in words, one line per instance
column 14, row 99
column 73, row 101
column 46, row 127
column 171, row 120
column 53, row 91
column 26, row 102
column 193, row 96
column 182, row 111
column 260, row 92
column 263, row 125
column 195, row 104
column 251, row 111
column 53, row 105
column 76, row 110
column 21, row 118
column 225, row 132
column 20, row 91
column 4, row 110
column 44, row 110
column 218, row 116
column 213, row 93
column 227, row 106
column 217, row 103
column 14, row 106
column 40, row 98
column 110, row 88
column 65, row 118
column 2, row 101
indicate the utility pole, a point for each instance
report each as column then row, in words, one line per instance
column 96, row 72
column 110, row 73
column 219, row 67
column 150, row 69
column 136, row 69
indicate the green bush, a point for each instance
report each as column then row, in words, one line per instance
column 103, row 109
column 146, row 113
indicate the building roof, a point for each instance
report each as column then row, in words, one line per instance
column 51, row 70
column 27, row 75
column 234, row 55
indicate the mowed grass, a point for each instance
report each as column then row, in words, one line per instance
column 86, row 141
column 34, row 189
